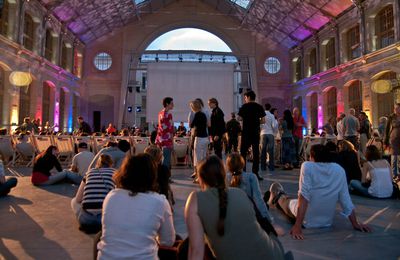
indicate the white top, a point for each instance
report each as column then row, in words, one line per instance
column 82, row 161
column 381, row 182
column 131, row 225
column 271, row 124
column 323, row 185
column 339, row 128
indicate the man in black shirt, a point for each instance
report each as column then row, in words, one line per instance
column 83, row 128
column 233, row 129
column 217, row 128
column 252, row 115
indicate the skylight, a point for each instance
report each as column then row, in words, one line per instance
column 189, row 39
column 138, row 2
column 242, row 3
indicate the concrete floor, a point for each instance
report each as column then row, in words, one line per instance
column 37, row 223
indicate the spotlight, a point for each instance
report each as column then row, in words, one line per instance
column 130, row 89
column 138, row 89
column 129, row 109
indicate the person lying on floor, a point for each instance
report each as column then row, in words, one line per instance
column 321, row 185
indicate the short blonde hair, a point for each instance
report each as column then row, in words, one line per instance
column 104, row 161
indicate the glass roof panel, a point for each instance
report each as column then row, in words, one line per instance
column 242, row 3
column 138, row 2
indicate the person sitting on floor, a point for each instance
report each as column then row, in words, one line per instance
column 46, row 161
column 376, row 180
column 348, row 158
column 88, row 202
column 117, row 153
column 163, row 173
column 321, row 185
column 5, row 184
column 81, row 161
column 226, row 218
column 136, row 219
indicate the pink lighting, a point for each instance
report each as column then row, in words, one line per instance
column 56, row 116
column 320, row 117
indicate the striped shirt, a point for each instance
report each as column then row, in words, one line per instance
column 99, row 183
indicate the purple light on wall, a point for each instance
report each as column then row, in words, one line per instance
column 56, row 116
column 320, row 117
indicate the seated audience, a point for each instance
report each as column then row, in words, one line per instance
column 247, row 182
column 226, row 218
column 136, row 219
column 5, row 184
column 331, row 148
column 111, row 130
column 163, row 173
column 46, row 161
column 81, row 161
column 117, row 153
column 376, row 181
column 322, row 184
column 88, row 202
column 181, row 131
column 348, row 159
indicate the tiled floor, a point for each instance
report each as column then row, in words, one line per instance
column 37, row 223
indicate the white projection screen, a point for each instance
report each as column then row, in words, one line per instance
column 185, row 82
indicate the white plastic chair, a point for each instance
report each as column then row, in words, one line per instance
column 25, row 151
column 6, row 149
column 65, row 147
column 42, row 142
column 181, row 148
column 140, row 143
column 99, row 142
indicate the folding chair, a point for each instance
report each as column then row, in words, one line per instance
column 86, row 139
column 42, row 142
column 99, row 142
column 128, row 139
column 140, row 143
column 65, row 148
column 25, row 151
column 181, row 147
column 6, row 149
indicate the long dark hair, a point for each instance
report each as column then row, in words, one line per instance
column 138, row 173
column 212, row 173
column 48, row 152
column 287, row 116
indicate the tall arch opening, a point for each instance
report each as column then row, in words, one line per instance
column 184, row 63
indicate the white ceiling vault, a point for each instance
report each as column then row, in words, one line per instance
column 287, row 22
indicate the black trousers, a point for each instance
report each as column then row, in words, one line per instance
column 218, row 147
column 255, row 145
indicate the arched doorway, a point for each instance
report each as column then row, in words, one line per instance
column 48, row 96
column 24, row 103
column 330, row 103
column 312, row 100
column 354, row 95
column 385, row 102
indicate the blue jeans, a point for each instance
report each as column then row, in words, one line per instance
column 297, row 144
column 267, row 146
column 6, row 187
column 395, row 163
column 288, row 150
column 356, row 187
column 167, row 156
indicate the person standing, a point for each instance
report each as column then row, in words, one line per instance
column 351, row 126
column 299, row 123
column 83, row 127
column 252, row 115
column 165, row 131
column 288, row 147
column 392, row 139
column 339, row 128
column 267, row 139
column 217, row 128
column 233, row 130
column 365, row 131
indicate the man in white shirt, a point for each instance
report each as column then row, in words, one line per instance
column 82, row 160
column 268, row 130
column 351, row 127
column 321, row 186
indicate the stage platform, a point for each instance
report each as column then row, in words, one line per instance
column 37, row 223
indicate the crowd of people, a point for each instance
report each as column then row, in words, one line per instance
column 128, row 198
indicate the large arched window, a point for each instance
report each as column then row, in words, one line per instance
column 330, row 104
column 314, row 111
column 312, row 62
column 24, row 103
column 29, row 32
column 384, row 27
column 4, row 9
column 386, row 101
column 61, row 121
column 353, row 42
column 64, row 56
column 355, row 95
column 48, row 48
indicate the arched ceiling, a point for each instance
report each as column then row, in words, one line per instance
column 287, row 22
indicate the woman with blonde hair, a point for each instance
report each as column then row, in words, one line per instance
column 199, row 124
column 349, row 160
column 88, row 202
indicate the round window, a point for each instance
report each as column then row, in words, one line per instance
column 102, row 61
column 272, row 65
